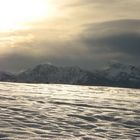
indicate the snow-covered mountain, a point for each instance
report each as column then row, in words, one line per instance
column 46, row 73
column 122, row 75
column 7, row 77
column 115, row 69
column 114, row 75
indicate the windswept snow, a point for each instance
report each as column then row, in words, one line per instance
column 63, row 112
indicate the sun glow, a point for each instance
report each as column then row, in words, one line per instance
column 15, row 13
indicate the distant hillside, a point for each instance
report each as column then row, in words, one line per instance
column 116, row 74
column 7, row 77
column 122, row 75
column 51, row 74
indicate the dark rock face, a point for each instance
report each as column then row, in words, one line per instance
column 114, row 75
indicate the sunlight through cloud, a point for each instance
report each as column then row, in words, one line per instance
column 15, row 13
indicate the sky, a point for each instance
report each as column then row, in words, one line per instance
column 85, row 33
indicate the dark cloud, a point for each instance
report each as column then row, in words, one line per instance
column 17, row 62
column 112, row 27
column 94, row 47
column 114, row 40
column 124, row 43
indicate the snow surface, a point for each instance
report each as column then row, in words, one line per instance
column 63, row 112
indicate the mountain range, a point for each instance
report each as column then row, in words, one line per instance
column 116, row 75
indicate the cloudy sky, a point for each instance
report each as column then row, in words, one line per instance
column 87, row 33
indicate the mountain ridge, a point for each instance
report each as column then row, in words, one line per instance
column 116, row 75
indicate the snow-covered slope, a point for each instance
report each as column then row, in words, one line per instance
column 47, row 73
column 66, row 112
column 7, row 77
column 123, row 75
column 116, row 68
